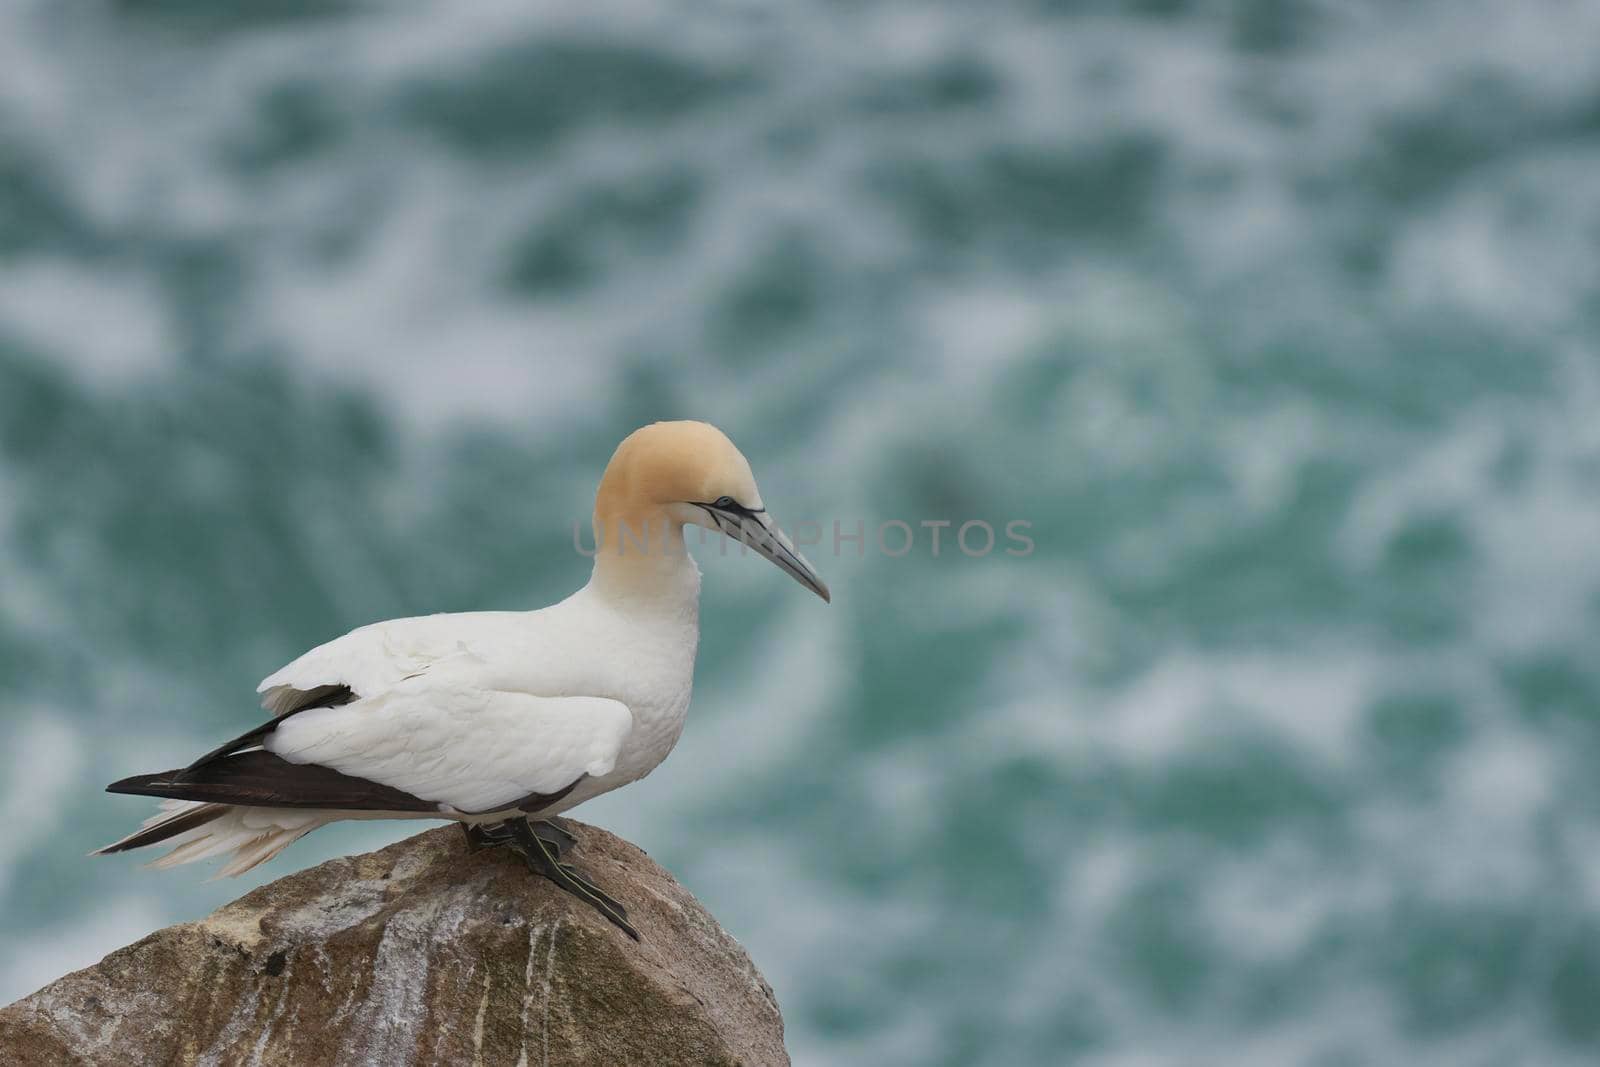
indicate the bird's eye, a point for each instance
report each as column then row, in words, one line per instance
column 725, row 502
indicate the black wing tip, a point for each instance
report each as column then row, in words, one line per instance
column 262, row 779
column 146, row 785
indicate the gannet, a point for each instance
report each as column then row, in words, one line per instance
column 496, row 719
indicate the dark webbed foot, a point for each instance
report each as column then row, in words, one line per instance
column 480, row 836
column 495, row 835
column 544, row 857
column 553, row 832
column 540, row 844
column 603, row 902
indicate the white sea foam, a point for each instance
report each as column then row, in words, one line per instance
column 108, row 328
column 45, row 757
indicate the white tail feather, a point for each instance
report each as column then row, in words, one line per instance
column 253, row 835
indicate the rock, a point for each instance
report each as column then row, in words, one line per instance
column 419, row 953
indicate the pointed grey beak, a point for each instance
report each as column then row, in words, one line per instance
column 755, row 529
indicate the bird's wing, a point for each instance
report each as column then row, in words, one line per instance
column 435, row 743
column 405, row 715
column 447, row 741
column 368, row 660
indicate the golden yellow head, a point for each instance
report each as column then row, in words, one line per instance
column 668, row 463
column 671, row 473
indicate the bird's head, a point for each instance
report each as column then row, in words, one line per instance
column 673, row 473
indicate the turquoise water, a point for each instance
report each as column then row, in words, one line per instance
column 1278, row 323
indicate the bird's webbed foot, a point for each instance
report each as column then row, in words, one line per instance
column 533, row 841
column 497, row 835
column 485, row 835
column 553, row 832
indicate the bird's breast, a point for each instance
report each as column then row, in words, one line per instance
column 643, row 659
column 657, row 681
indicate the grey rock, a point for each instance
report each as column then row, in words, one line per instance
column 419, row 953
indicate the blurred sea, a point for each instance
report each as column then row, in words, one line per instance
column 1279, row 321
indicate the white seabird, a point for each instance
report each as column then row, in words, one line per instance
column 496, row 719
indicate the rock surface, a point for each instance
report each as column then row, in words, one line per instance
column 419, row 953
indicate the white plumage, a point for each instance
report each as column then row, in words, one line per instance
column 465, row 711
column 469, row 714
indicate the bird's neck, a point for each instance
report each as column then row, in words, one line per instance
column 641, row 559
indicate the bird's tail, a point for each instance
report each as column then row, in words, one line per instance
column 200, row 831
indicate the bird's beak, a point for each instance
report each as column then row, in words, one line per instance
column 755, row 529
